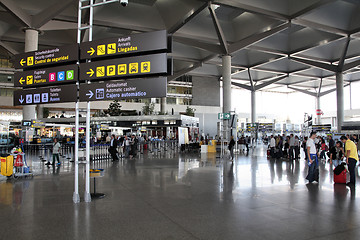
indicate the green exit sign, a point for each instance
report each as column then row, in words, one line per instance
column 224, row 116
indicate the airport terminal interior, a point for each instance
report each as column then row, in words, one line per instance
column 179, row 119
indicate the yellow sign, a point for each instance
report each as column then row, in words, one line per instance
column 121, row 69
column 30, row 61
column 145, row 67
column 101, row 50
column 29, row 80
column 100, row 71
column 111, row 48
column 133, row 68
column 111, row 70
column 22, row 62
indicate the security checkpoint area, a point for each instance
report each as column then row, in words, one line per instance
column 179, row 119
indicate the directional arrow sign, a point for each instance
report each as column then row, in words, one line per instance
column 68, row 53
column 47, row 76
column 90, row 94
column 147, row 65
column 136, row 43
column 59, row 94
column 124, row 89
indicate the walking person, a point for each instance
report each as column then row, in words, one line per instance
column 231, row 148
column 351, row 158
column 313, row 174
column 113, row 148
column 297, row 148
column 291, row 147
column 55, row 153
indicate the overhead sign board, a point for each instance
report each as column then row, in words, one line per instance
column 59, row 94
column 47, row 76
column 124, row 89
column 37, row 123
column 147, row 65
column 136, row 43
column 35, row 59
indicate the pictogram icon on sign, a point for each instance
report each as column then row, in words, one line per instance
column 29, row 98
column 29, row 80
column 21, row 80
column 145, row 67
column 91, row 51
column 101, row 50
column 30, row 61
column 121, row 69
column 90, row 72
column 70, row 75
column 100, row 93
column 21, row 100
column 45, row 97
column 111, row 48
column 61, row 76
column 100, row 71
column 111, row 70
column 52, row 77
column 133, row 68
column 22, row 61
column 36, row 98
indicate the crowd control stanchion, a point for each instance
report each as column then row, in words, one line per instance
column 76, row 196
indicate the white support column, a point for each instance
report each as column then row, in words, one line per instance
column 87, row 195
column 163, row 105
column 31, row 44
column 226, row 74
column 340, row 100
column 253, row 106
column 318, row 110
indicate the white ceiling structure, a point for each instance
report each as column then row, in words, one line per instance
column 276, row 45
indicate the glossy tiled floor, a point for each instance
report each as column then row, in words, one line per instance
column 182, row 196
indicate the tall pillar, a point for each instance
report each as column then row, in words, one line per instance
column 31, row 44
column 163, row 105
column 339, row 100
column 226, row 74
column 318, row 110
column 253, row 106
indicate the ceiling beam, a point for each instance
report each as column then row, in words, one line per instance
column 50, row 12
column 219, row 31
column 8, row 48
column 343, row 55
column 265, row 84
column 311, row 7
column 252, row 9
column 251, row 80
column 256, row 38
column 329, row 67
column 350, row 65
column 240, row 85
column 320, row 26
column 17, row 12
column 303, row 91
column 190, row 15
column 214, row 48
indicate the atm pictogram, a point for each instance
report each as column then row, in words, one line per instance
column 30, row 61
column 111, row 48
column 100, row 71
column 145, row 67
column 29, row 80
column 133, row 68
column 101, row 50
column 121, row 69
column 111, row 70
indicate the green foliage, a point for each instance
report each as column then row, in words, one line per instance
column 190, row 111
column 114, row 108
column 148, row 108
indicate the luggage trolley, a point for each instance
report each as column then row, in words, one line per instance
column 15, row 168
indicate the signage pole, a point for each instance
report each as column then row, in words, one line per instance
column 76, row 196
column 87, row 195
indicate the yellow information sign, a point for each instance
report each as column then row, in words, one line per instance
column 100, row 71
column 30, row 61
column 145, row 67
column 133, row 68
column 111, row 48
column 121, row 69
column 111, row 70
column 101, row 50
column 29, row 80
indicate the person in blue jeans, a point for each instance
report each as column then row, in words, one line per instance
column 313, row 174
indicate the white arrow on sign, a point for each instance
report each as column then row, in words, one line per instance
column 90, row 94
column 21, row 100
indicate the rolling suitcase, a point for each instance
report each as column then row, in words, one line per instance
column 341, row 178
